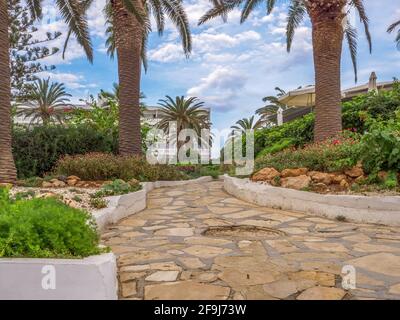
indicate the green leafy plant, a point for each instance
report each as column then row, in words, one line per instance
column 45, row 228
column 98, row 203
column 380, row 147
column 117, row 187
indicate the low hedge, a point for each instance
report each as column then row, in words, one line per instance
column 106, row 166
column 45, row 228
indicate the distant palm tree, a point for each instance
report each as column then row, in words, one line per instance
column 392, row 28
column 45, row 101
column 330, row 25
column 73, row 13
column 246, row 124
column 268, row 112
column 188, row 113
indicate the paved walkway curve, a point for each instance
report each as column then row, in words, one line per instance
column 163, row 254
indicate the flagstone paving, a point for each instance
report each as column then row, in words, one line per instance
column 163, row 254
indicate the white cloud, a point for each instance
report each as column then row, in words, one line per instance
column 219, row 88
column 71, row 81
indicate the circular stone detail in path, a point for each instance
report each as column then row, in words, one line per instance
column 242, row 232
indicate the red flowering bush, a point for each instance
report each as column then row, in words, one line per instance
column 336, row 154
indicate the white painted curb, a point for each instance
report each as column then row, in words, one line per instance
column 120, row 207
column 91, row 278
column 375, row 209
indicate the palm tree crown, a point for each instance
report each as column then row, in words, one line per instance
column 267, row 112
column 173, row 9
column 393, row 27
column 46, row 101
column 188, row 113
column 246, row 124
column 297, row 12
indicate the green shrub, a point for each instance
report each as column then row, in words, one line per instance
column 117, row 187
column 333, row 155
column 380, row 148
column 98, row 203
column 391, row 180
column 355, row 113
column 45, row 228
column 37, row 150
column 102, row 166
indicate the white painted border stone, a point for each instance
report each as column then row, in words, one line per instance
column 120, row 207
column 375, row 209
column 93, row 278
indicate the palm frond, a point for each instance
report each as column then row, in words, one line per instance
column 297, row 11
column 35, row 8
column 176, row 13
column 359, row 5
column 351, row 36
column 248, row 8
column 74, row 14
column 220, row 9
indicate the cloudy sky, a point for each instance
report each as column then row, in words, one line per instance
column 232, row 66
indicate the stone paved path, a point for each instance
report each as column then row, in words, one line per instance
column 163, row 254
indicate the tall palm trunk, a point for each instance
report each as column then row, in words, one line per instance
column 327, row 37
column 129, row 35
column 7, row 166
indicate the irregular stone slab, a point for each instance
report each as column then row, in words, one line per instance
column 132, row 222
column 238, row 278
column 163, row 276
column 142, row 256
column 186, row 290
column 253, row 293
column 166, row 266
column 282, row 246
column 321, row 278
column 222, row 210
column 322, row 293
column 327, row 246
column 158, row 202
column 279, row 217
column 284, row 288
column 217, row 222
column 192, row 263
column 206, row 251
column 370, row 247
column 128, row 289
column 395, row 289
column 175, row 232
column 294, row 230
column 129, row 276
column 361, row 238
column 261, row 223
column 133, row 234
column 384, row 263
column 243, row 214
column 207, row 241
column 325, row 266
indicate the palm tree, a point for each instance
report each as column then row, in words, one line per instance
column 329, row 27
column 46, row 101
column 188, row 113
column 245, row 124
column 267, row 112
column 129, row 25
column 73, row 12
column 393, row 27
